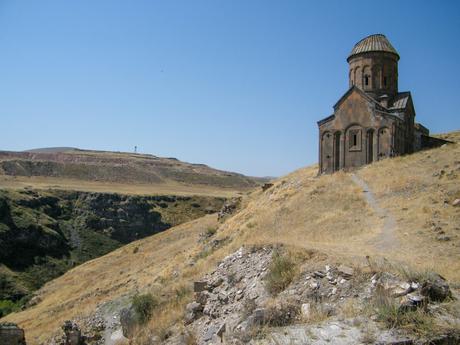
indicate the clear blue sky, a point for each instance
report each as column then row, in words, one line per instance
column 238, row 85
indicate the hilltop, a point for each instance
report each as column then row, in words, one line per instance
column 62, row 206
column 127, row 173
column 389, row 222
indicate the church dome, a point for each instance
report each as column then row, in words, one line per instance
column 373, row 43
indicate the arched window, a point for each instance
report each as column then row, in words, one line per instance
column 354, row 139
column 366, row 80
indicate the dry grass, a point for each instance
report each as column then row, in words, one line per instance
column 350, row 308
column 419, row 196
column 419, row 321
column 280, row 273
column 327, row 214
column 318, row 314
column 171, row 187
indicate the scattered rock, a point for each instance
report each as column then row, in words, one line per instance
column 220, row 332
column 456, row 202
column 194, row 307
column 306, row 310
column 200, row 286
column 72, row 333
column 33, row 301
column 267, row 186
column 436, row 288
column 229, row 208
column 345, row 271
column 192, row 312
column 232, row 302
column 443, row 238
column 412, row 302
column 319, row 274
column 209, row 333
column 258, row 317
column 328, row 309
column 129, row 321
column 202, row 297
column 11, row 334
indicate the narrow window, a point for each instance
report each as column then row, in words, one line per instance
column 366, row 80
column 355, row 140
column 385, row 81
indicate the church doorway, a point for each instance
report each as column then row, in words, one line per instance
column 370, row 146
column 337, row 151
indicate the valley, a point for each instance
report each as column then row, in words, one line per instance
column 45, row 233
column 60, row 207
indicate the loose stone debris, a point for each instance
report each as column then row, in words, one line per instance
column 232, row 305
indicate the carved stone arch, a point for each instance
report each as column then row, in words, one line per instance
column 353, row 153
column 377, row 76
column 353, row 136
column 358, row 77
column 367, row 77
column 337, row 160
column 370, row 139
column 384, row 143
column 327, row 143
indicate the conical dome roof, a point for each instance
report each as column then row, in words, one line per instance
column 373, row 43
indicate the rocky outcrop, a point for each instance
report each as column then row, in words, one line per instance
column 232, row 305
column 11, row 334
column 435, row 288
column 266, row 186
column 227, row 293
column 229, row 208
column 72, row 334
column 129, row 321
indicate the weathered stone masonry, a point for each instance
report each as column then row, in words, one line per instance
column 372, row 120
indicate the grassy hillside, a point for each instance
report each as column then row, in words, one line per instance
column 45, row 233
column 328, row 215
column 102, row 171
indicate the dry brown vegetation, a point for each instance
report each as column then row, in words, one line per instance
column 327, row 214
column 168, row 188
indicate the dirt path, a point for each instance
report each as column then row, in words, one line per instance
column 386, row 240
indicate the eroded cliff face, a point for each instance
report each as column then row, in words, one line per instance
column 45, row 233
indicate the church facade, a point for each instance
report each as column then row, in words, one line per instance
column 372, row 120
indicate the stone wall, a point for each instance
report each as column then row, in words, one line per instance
column 11, row 334
column 381, row 70
column 357, row 135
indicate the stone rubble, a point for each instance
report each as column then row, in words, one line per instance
column 229, row 292
column 232, row 302
column 229, row 208
column 231, row 305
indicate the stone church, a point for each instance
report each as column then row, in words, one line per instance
column 372, row 120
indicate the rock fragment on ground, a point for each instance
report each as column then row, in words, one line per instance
column 11, row 334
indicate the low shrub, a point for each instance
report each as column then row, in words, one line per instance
column 281, row 272
column 281, row 312
column 7, row 306
column 211, row 231
column 144, row 306
column 417, row 321
column 182, row 292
